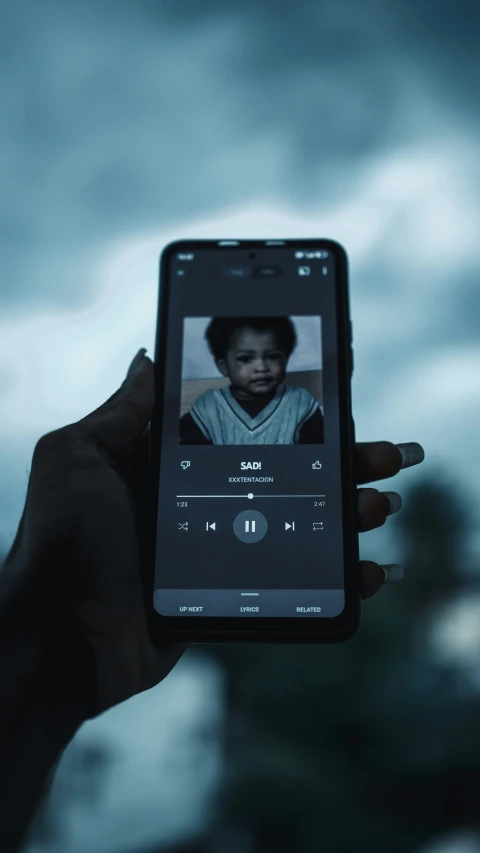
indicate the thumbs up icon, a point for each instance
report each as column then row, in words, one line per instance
column 317, row 464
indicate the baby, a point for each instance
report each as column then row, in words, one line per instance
column 257, row 407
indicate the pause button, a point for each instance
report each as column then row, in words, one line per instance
column 250, row 526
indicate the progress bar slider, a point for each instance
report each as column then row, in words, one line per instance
column 250, row 495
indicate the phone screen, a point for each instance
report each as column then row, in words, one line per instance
column 250, row 519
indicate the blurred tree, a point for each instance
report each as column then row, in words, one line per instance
column 433, row 526
column 367, row 745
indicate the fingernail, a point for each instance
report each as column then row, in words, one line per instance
column 136, row 362
column 412, row 453
column 393, row 573
column 394, row 500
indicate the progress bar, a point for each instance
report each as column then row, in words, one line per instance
column 250, row 495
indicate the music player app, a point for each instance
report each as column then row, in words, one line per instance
column 250, row 506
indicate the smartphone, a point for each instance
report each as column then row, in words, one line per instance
column 253, row 534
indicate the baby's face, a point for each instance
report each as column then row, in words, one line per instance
column 255, row 363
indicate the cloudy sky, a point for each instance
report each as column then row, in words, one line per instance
column 127, row 124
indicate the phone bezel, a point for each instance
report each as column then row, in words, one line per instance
column 257, row 629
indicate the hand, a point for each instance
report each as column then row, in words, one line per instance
column 78, row 539
column 378, row 460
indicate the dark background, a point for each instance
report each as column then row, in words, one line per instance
column 127, row 124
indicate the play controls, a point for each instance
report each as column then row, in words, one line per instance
column 250, row 526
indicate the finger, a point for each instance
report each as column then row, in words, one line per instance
column 377, row 460
column 119, row 422
column 136, row 456
column 134, row 468
column 374, row 507
column 373, row 576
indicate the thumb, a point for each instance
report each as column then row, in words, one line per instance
column 121, row 420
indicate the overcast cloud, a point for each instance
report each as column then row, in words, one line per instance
column 125, row 125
